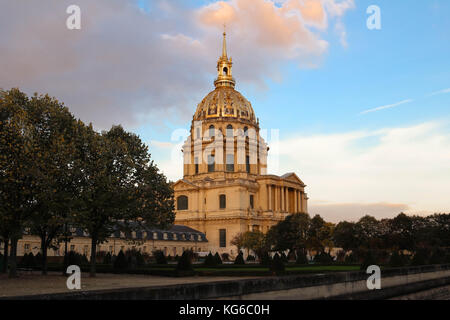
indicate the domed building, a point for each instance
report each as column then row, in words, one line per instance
column 225, row 188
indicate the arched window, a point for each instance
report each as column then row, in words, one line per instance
column 229, row 130
column 230, row 162
column 225, row 71
column 211, row 162
column 246, row 131
column 182, row 203
column 211, row 131
column 222, row 201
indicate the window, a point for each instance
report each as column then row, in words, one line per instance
column 222, row 201
column 251, row 202
column 211, row 131
column 165, row 236
column 247, row 163
column 72, row 247
column 196, row 165
column 222, row 238
column 230, row 162
column 155, row 236
column 225, row 71
column 246, row 131
column 211, row 163
column 229, row 130
column 182, row 203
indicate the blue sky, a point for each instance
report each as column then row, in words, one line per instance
column 310, row 68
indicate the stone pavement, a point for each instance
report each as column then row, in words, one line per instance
column 34, row 283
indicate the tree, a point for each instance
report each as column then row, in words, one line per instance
column 344, row 236
column 119, row 182
column 277, row 265
column 16, row 174
column 291, row 233
column 54, row 133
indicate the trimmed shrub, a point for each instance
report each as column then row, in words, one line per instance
column 184, row 265
column 225, row 257
column 239, row 259
column 351, row 258
column 251, row 258
column 301, row 258
column 160, row 257
column 420, row 258
column 28, row 260
column 120, row 262
column 217, row 258
column 265, row 260
column 284, row 258
column 107, row 259
column 210, row 261
column 277, row 265
column 323, row 258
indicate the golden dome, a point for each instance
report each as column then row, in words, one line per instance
column 225, row 101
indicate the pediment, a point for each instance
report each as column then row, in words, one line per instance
column 183, row 184
column 291, row 176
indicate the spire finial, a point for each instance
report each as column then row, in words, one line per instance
column 224, row 47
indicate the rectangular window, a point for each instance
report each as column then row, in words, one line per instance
column 251, row 202
column 222, row 238
column 230, row 162
column 196, row 165
column 222, row 201
column 211, row 163
column 247, row 163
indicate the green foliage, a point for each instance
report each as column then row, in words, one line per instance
column 120, row 262
column 368, row 259
column 277, row 265
column 217, row 258
column 239, row 259
column 398, row 259
column 438, row 256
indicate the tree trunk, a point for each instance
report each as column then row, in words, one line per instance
column 13, row 258
column 93, row 256
column 44, row 255
column 5, row 256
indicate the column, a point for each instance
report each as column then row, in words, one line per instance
column 295, row 201
column 269, row 189
column 276, row 199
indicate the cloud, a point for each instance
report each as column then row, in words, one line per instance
column 133, row 66
column 406, row 165
column 440, row 92
column 336, row 212
column 387, row 106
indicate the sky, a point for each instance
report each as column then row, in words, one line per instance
column 363, row 115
